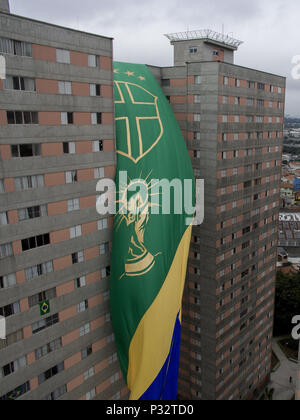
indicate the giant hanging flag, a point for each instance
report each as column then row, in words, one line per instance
column 150, row 251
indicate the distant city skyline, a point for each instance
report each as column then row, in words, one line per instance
column 268, row 29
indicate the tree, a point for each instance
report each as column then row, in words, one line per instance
column 287, row 303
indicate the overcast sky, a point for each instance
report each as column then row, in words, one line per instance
column 269, row 29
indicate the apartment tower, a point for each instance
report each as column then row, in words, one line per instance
column 232, row 120
column 56, row 142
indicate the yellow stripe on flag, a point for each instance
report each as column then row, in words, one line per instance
column 151, row 343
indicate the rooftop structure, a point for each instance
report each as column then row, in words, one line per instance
column 205, row 34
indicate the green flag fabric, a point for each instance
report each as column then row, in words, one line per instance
column 151, row 235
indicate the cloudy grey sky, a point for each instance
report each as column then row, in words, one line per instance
column 269, row 28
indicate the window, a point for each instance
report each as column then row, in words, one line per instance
column 91, row 394
column 2, row 188
column 193, row 50
column 93, row 60
column 71, row 177
column 73, row 205
column 80, row 282
column 41, row 297
column 198, row 80
column 237, row 100
column 98, row 146
column 95, row 89
column 35, row 242
column 89, row 374
column 48, row 348
column 260, row 103
column 3, row 218
column 249, row 119
column 105, row 272
column 236, row 118
column 65, row 88
column 104, row 248
column 45, row 323
column 86, row 353
column 82, row 306
column 250, row 102
column 13, row 367
column 55, row 395
column 16, row 393
column 55, row 370
column 63, row 56
column 22, row 117
column 248, row 152
column 197, row 135
column 102, row 224
column 9, row 310
column 224, row 136
column 246, row 245
column 197, row 99
column 11, row 339
column 29, row 182
column 224, row 118
column 8, row 281
column 197, row 154
column 86, row 329
column 25, row 150
column 38, row 270
column 259, row 119
column 32, row 212
column 77, row 257
column 6, row 250
column 67, row 118
column 197, row 117
column 19, row 83
column 165, row 82
column 114, row 378
column 10, row 46
column 99, row 173
column 251, row 85
column 106, row 296
column 112, row 359
column 75, row 232
column 216, row 52
column 116, row 396
column 96, row 118
column 246, row 230
column 226, row 81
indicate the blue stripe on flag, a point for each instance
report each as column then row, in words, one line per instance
column 165, row 385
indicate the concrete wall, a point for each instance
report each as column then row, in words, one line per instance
column 53, row 164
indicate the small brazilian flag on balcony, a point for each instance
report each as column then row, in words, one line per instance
column 45, row 307
column 151, row 234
